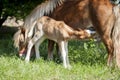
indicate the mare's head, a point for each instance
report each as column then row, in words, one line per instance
column 19, row 42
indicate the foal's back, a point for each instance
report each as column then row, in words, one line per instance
column 53, row 29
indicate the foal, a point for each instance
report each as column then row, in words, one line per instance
column 58, row 31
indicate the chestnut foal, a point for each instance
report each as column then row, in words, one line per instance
column 58, row 31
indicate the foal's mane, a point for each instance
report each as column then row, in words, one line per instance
column 16, row 38
column 43, row 9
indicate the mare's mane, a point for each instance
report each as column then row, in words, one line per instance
column 43, row 9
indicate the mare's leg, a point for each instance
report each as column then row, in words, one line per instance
column 61, row 45
column 50, row 49
column 103, row 22
column 37, row 44
column 107, row 40
column 109, row 45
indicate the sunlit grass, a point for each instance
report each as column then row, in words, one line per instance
column 88, row 61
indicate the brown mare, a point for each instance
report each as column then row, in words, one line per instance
column 97, row 13
column 101, row 14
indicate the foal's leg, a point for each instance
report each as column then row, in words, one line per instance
column 29, row 46
column 50, row 49
column 66, row 49
column 58, row 52
column 63, row 52
column 36, row 37
column 37, row 44
column 37, row 50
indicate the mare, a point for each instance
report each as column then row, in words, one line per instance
column 81, row 14
column 58, row 31
column 102, row 15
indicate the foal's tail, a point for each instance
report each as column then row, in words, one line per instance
column 82, row 34
column 116, row 35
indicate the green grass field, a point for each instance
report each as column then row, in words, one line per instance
column 88, row 61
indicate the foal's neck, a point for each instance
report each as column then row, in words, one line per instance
column 82, row 34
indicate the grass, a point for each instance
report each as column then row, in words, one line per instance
column 88, row 61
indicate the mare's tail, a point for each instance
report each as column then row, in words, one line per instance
column 116, row 35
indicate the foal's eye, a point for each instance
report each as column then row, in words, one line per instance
column 21, row 44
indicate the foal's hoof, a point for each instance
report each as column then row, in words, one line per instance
column 26, row 60
column 69, row 67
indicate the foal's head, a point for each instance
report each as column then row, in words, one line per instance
column 19, row 42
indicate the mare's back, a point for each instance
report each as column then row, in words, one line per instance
column 74, row 13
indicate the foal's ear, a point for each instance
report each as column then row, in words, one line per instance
column 22, row 29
